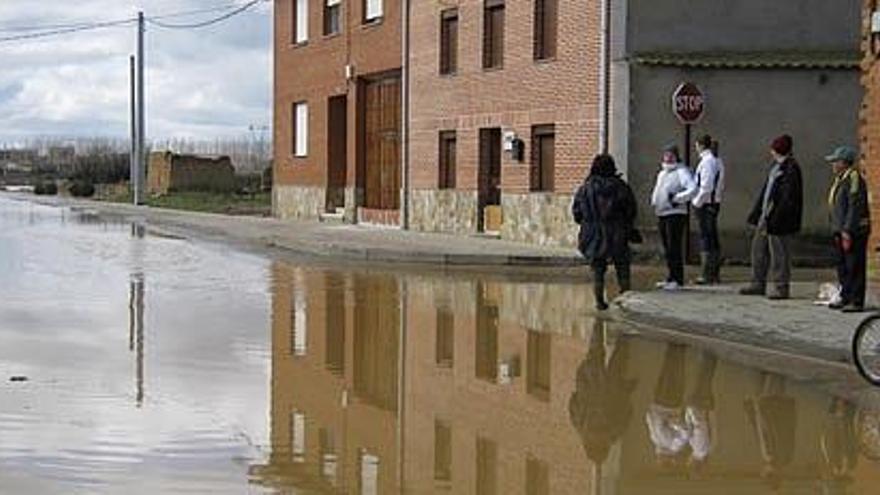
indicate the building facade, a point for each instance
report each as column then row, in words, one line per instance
column 505, row 106
column 337, row 109
column 766, row 68
column 505, row 115
column 870, row 117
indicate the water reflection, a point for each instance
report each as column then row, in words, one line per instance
column 488, row 395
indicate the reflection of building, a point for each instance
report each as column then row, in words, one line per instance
column 383, row 384
column 334, row 395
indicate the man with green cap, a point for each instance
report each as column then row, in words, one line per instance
column 851, row 225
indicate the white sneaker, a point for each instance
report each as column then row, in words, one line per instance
column 661, row 284
column 672, row 286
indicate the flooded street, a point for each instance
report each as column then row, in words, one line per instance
column 132, row 362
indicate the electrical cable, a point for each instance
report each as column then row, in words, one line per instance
column 210, row 22
column 67, row 30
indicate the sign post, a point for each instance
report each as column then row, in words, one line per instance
column 688, row 105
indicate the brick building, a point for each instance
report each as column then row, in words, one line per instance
column 505, row 115
column 337, row 109
column 870, row 116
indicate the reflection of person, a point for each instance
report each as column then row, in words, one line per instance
column 665, row 416
column 773, row 416
column 600, row 407
column 851, row 226
column 605, row 208
column 776, row 218
column 839, row 443
column 699, row 410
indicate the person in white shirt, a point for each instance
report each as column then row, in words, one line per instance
column 707, row 205
column 674, row 188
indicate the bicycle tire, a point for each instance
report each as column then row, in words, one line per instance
column 868, row 372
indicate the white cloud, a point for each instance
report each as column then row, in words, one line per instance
column 201, row 84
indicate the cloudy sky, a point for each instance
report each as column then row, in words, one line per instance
column 201, row 84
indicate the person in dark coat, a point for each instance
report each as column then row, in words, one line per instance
column 776, row 217
column 605, row 208
column 851, row 225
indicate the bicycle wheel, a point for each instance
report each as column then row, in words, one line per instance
column 866, row 349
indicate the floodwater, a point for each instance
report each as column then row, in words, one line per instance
column 132, row 362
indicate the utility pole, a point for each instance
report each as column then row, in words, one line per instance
column 132, row 161
column 141, row 117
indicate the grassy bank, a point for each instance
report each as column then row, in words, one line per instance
column 228, row 204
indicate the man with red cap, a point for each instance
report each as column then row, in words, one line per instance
column 776, row 217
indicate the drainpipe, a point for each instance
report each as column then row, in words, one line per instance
column 605, row 79
column 404, row 134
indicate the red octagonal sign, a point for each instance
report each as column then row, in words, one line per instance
column 688, row 103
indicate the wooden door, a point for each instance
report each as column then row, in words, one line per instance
column 489, row 192
column 337, row 151
column 382, row 143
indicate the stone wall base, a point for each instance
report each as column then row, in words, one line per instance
column 298, row 202
column 445, row 211
column 539, row 218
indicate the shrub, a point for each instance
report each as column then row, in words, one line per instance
column 46, row 189
column 82, row 189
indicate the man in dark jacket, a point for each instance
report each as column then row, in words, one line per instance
column 851, row 225
column 605, row 208
column 776, row 217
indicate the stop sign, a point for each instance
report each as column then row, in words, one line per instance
column 688, row 103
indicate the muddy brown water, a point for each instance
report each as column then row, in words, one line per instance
column 136, row 363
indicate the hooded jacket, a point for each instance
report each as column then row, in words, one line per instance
column 605, row 208
column 674, row 188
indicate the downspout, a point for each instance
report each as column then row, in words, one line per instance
column 404, row 133
column 605, row 79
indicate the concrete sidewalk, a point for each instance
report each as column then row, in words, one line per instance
column 329, row 241
column 796, row 326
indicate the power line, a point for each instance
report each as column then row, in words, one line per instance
column 48, row 30
column 67, row 30
column 216, row 20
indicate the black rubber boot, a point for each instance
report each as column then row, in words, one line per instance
column 716, row 268
column 599, row 293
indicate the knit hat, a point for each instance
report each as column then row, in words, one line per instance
column 782, row 145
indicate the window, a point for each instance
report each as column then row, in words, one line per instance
column 449, row 41
column 298, row 324
column 369, row 474
column 300, row 129
column 332, row 16
column 538, row 370
column 372, row 10
column 445, row 348
column 493, row 34
column 537, row 476
column 545, row 29
column 442, row 451
column 447, row 160
column 301, row 22
column 298, row 437
column 543, row 154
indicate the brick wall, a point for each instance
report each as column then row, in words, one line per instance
column 562, row 91
column 315, row 71
column 870, row 115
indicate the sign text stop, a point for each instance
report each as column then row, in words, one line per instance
column 688, row 103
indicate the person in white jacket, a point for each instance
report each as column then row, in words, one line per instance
column 707, row 205
column 674, row 188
